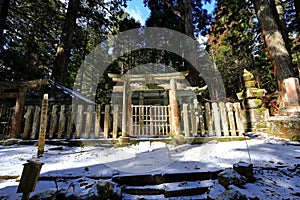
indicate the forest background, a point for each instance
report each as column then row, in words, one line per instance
column 50, row 39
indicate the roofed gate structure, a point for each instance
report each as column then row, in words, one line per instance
column 17, row 91
column 151, row 103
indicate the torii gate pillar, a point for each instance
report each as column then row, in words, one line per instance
column 124, row 139
column 175, row 129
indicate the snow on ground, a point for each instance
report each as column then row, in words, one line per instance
column 105, row 161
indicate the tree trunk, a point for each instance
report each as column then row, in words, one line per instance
column 188, row 19
column 279, row 55
column 278, row 13
column 4, row 5
column 193, row 76
column 274, row 41
column 61, row 62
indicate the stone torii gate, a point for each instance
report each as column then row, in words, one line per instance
column 143, row 82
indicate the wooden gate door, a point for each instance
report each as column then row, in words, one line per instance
column 5, row 121
column 150, row 120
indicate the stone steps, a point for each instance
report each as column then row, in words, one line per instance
column 176, row 189
column 168, row 185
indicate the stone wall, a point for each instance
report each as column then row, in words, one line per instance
column 284, row 126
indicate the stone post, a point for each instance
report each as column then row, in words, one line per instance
column 43, row 126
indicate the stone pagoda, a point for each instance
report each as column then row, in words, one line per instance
column 254, row 117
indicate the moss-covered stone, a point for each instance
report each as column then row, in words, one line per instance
column 178, row 139
column 249, row 84
column 254, row 92
column 106, row 190
column 251, row 100
column 255, row 119
column 240, row 95
column 284, row 127
column 247, row 76
column 252, row 103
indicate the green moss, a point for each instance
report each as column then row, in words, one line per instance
column 289, row 129
column 261, row 112
column 262, row 124
column 106, row 191
column 240, row 95
column 257, row 101
column 219, row 139
column 295, row 138
column 178, row 139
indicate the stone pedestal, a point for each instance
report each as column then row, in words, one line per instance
column 290, row 97
column 289, row 110
column 290, row 88
column 255, row 119
column 284, row 127
column 245, row 169
column 124, row 141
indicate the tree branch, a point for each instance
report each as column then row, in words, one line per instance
column 176, row 12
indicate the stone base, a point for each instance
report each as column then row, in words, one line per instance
column 255, row 115
column 245, row 169
column 291, row 93
column 255, row 119
column 177, row 139
column 123, row 141
column 284, row 127
column 290, row 110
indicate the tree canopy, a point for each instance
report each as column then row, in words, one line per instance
column 51, row 39
column 41, row 37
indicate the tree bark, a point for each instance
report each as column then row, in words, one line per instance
column 4, row 5
column 60, row 68
column 278, row 53
column 193, row 76
column 278, row 13
column 274, row 41
column 188, row 19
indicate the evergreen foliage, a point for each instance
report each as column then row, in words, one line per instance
column 32, row 32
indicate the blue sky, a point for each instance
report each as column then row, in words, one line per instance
column 139, row 12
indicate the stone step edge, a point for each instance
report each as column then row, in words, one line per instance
column 156, row 179
column 171, row 190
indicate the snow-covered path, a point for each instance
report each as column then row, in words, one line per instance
column 157, row 157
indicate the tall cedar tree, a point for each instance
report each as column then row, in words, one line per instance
column 188, row 17
column 233, row 43
column 29, row 37
column 275, row 44
column 61, row 62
